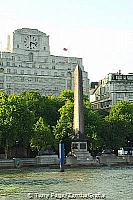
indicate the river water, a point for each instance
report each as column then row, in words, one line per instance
column 41, row 183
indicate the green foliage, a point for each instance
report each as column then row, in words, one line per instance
column 16, row 121
column 50, row 108
column 41, row 120
column 42, row 106
column 122, row 111
column 94, row 125
column 64, row 128
column 33, row 100
column 120, row 124
column 20, row 114
column 64, row 125
column 42, row 135
column 3, row 97
column 67, row 95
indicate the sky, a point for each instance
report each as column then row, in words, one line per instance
column 99, row 31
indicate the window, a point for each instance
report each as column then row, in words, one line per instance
column 131, row 95
column 1, row 86
column 36, row 79
column 53, row 67
column 18, row 46
column 18, row 58
column 8, row 63
column 33, row 65
column 15, row 71
column 1, row 63
column 31, row 56
column 124, row 77
column 56, row 88
column 120, row 95
column 130, row 77
column 8, row 70
column 44, row 48
column 22, row 79
column 29, row 79
column 55, row 74
column 8, row 85
column 13, row 58
column 130, row 100
column 9, row 91
column 22, row 72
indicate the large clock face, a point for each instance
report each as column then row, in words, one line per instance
column 31, row 42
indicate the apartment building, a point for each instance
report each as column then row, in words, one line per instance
column 113, row 88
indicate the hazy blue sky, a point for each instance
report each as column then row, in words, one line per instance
column 99, row 31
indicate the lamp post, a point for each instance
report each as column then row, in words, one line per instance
column 128, row 147
column 17, row 144
column 61, row 156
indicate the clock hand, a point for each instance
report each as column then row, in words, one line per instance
column 33, row 43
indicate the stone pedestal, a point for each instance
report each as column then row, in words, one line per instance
column 79, row 150
column 79, row 154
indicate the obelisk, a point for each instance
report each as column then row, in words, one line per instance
column 79, row 153
column 78, row 122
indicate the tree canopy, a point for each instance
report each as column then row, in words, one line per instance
column 39, row 121
column 120, row 124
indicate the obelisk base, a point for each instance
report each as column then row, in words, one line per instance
column 79, row 154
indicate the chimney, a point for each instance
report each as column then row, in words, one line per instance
column 8, row 43
column 119, row 72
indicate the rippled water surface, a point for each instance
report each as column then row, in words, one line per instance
column 115, row 183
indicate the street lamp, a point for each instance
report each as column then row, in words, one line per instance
column 128, row 147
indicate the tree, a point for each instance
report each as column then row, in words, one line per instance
column 22, row 118
column 64, row 128
column 42, row 106
column 67, row 95
column 94, row 126
column 3, row 97
column 3, row 115
column 50, row 108
column 33, row 100
column 42, row 135
column 16, row 121
column 120, row 124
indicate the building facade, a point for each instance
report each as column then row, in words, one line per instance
column 30, row 66
column 113, row 88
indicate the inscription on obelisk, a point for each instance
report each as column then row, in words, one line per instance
column 78, row 103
